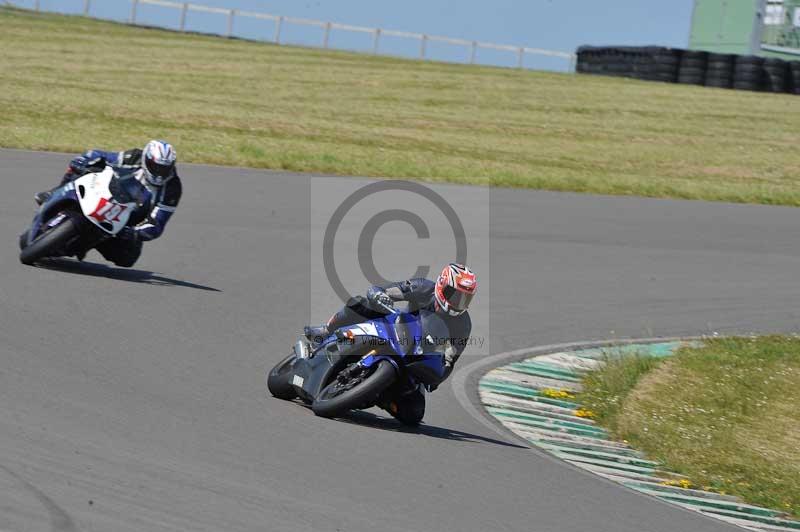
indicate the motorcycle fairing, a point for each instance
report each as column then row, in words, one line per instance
column 394, row 337
column 404, row 335
column 314, row 373
column 99, row 204
column 58, row 196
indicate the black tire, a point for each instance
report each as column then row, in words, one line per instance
column 330, row 404
column 719, row 82
column 751, row 60
column 278, row 380
column 727, row 59
column 667, row 78
column 661, row 69
column 747, row 70
column 776, row 70
column 793, row 77
column 691, row 80
column 719, row 67
column 666, row 60
column 691, row 71
column 619, row 68
column 748, row 77
column 51, row 243
column 774, row 84
column 694, row 55
column 746, row 86
column 694, row 63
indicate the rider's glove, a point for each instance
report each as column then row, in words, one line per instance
column 450, row 358
column 129, row 234
column 381, row 299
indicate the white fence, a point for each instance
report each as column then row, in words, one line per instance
column 470, row 47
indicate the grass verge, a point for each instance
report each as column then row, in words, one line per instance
column 604, row 390
column 70, row 83
column 724, row 414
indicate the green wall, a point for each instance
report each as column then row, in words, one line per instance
column 734, row 26
column 725, row 26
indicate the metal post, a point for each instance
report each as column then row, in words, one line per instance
column 184, row 9
column 473, row 53
column 278, row 25
column 423, row 45
column 327, row 36
column 520, row 58
column 86, row 6
column 231, row 14
column 758, row 27
column 573, row 63
column 376, row 40
column 134, row 3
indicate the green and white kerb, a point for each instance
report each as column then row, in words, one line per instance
column 536, row 399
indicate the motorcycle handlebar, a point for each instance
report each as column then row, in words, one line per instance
column 387, row 308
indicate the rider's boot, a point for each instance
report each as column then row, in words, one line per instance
column 408, row 407
column 41, row 197
column 315, row 333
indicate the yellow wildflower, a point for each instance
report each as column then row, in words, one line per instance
column 557, row 394
column 682, row 483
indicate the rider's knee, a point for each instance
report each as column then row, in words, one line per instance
column 409, row 409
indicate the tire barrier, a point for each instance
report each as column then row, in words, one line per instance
column 641, row 62
column 719, row 72
column 691, row 67
column 748, row 73
column 776, row 75
column 793, row 79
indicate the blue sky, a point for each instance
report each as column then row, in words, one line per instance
column 551, row 24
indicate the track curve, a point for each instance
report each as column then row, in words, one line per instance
column 142, row 391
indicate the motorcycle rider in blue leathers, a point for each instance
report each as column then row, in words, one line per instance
column 153, row 167
column 449, row 297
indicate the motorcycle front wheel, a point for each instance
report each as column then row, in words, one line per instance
column 358, row 391
column 50, row 244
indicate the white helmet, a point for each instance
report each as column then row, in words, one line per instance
column 158, row 161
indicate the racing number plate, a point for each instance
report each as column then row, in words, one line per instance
column 108, row 211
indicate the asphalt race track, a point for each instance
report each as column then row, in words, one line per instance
column 134, row 400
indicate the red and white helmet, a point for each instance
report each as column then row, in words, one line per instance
column 158, row 161
column 455, row 288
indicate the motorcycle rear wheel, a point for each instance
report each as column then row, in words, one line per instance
column 331, row 402
column 50, row 243
column 278, row 380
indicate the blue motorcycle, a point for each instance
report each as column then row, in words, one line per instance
column 364, row 365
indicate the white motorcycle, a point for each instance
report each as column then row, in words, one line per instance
column 83, row 213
